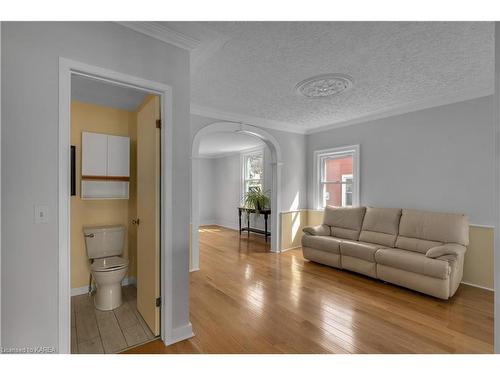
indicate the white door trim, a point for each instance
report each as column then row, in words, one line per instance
column 274, row 147
column 66, row 69
column 0, row 185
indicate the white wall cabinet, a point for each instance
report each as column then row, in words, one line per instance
column 105, row 166
column 94, row 154
column 118, row 158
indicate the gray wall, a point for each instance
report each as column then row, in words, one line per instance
column 220, row 190
column 207, row 192
column 293, row 176
column 436, row 159
column 497, row 187
column 30, row 53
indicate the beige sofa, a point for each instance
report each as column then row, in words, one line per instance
column 419, row 250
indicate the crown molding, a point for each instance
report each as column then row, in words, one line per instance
column 407, row 108
column 163, row 33
column 216, row 114
column 377, row 115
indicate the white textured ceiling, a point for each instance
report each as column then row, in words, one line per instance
column 221, row 143
column 248, row 70
column 91, row 91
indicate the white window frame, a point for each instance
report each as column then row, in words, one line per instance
column 320, row 156
column 344, row 178
column 243, row 180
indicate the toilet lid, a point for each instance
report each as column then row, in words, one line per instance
column 109, row 264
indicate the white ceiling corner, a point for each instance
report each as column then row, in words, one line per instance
column 408, row 108
column 246, row 119
column 164, row 33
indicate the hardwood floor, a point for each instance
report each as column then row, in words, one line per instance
column 248, row 300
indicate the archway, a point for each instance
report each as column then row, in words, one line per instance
column 271, row 143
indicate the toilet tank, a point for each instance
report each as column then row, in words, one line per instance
column 104, row 241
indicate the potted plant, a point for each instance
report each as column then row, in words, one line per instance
column 256, row 199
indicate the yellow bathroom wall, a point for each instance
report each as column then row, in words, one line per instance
column 478, row 268
column 98, row 119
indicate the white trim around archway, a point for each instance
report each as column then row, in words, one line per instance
column 274, row 147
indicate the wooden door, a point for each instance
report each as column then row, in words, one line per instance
column 148, row 213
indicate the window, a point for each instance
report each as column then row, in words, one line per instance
column 337, row 179
column 253, row 171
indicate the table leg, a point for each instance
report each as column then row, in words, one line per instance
column 239, row 219
column 248, row 224
column 265, row 225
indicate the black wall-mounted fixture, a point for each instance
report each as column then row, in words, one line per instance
column 73, row 170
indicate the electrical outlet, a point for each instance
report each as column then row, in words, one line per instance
column 41, row 214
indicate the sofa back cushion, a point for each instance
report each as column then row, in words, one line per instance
column 421, row 230
column 380, row 226
column 345, row 222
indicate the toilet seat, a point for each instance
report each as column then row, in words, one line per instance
column 109, row 264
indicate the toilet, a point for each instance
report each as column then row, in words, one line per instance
column 104, row 248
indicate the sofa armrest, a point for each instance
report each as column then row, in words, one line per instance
column 318, row 230
column 446, row 249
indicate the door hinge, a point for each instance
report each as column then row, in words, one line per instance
column 158, row 124
column 158, row 302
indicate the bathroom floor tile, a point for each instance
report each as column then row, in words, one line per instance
column 86, row 325
column 93, row 346
column 126, row 316
column 95, row 331
column 135, row 335
column 111, row 334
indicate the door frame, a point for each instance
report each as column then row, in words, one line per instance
column 276, row 163
column 67, row 68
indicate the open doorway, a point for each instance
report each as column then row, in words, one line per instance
column 114, row 216
column 231, row 160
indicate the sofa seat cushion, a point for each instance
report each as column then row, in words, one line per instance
column 324, row 243
column 413, row 262
column 361, row 250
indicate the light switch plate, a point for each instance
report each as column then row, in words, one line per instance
column 41, row 214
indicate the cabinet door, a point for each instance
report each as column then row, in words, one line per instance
column 118, row 156
column 94, row 154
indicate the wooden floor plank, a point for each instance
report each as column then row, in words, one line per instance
column 245, row 299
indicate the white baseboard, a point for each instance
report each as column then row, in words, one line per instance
column 234, row 225
column 290, row 248
column 79, row 291
column 85, row 289
column 194, row 269
column 180, row 334
column 227, row 224
column 207, row 222
column 477, row 286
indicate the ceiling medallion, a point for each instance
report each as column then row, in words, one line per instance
column 324, row 85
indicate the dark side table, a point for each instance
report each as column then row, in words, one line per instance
column 249, row 229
